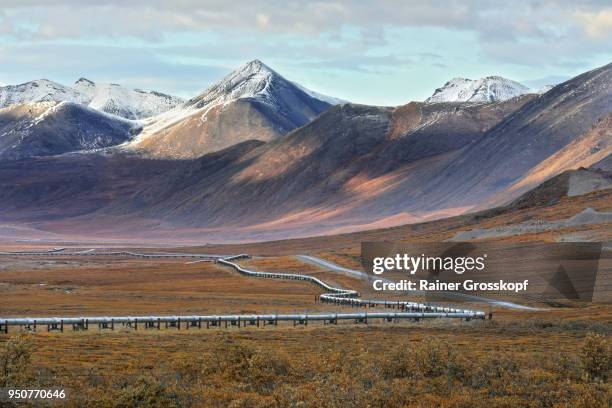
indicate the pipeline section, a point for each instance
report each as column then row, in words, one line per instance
column 340, row 296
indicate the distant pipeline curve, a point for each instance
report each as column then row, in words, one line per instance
column 342, row 296
column 93, row 252
column 335, row 295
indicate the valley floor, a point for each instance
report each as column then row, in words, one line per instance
column 519, row 358
column 510, row 362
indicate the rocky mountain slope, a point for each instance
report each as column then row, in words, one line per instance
column 584, row 151
column 50, row 128
column 253, row 102
column 569, row 183
column 483, row 174
column 488, row 89
column 349, row 164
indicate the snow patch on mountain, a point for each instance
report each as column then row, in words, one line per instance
column 543, row 89
column 488, row 89
column 325, row 98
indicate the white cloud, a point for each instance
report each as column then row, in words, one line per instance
column 597, row 25
column 145, row 18
column 567, row 24
column 263, row 20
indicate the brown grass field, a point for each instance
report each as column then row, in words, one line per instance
column 518, row 359
column 560, row 357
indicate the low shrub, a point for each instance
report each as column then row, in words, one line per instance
column 15, row 359
column 146, row 391
column 595, row 356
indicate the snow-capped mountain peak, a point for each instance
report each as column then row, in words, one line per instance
column 249, row 81
column 83, row 82
column 39, row 90
column 125, row 102
column 252, row 80
column 487, row 89
column 269, row 106
column 109, row 98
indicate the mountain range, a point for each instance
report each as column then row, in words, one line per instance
column 109, row 98
column 257, row 157
column 253, row 102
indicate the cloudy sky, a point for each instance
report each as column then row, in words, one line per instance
column 378, row 52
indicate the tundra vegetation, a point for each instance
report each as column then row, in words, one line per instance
column 531, row 363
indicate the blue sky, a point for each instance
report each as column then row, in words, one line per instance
column 384, row 52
